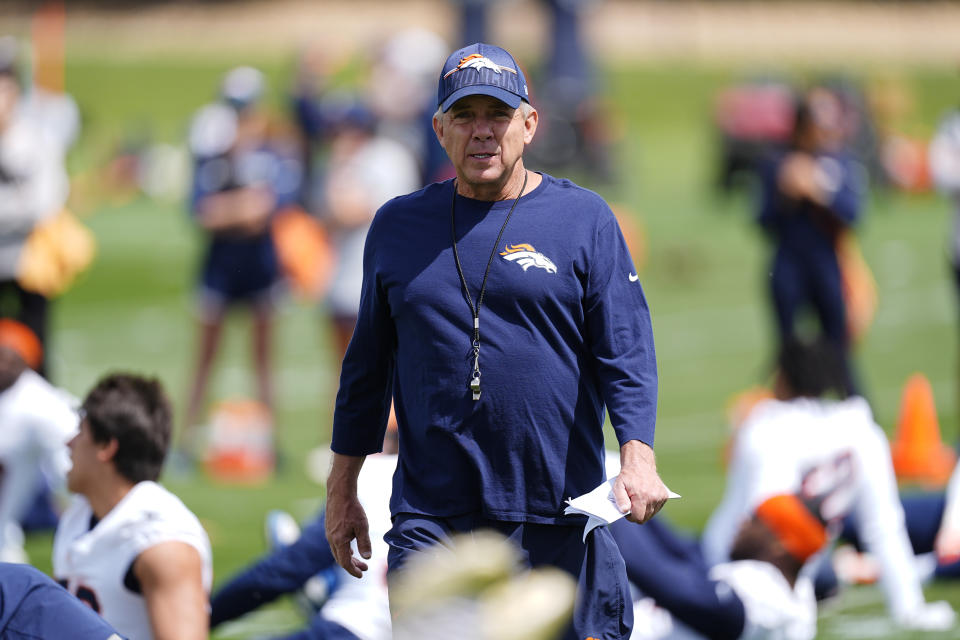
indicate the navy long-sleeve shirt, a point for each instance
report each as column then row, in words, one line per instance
column 564, row 332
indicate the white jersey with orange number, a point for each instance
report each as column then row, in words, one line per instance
column 361, row 605
column 833, row 450
column 93, row 562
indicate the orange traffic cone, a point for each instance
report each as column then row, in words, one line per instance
column 919, row 455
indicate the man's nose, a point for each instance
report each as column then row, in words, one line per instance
column 482, row 128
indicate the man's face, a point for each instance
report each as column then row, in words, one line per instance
column 83, row 455
column 484, row 139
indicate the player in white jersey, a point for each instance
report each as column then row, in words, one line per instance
column 37, row 419
column 758, row 595
column 126, row 546
column 799, row 442
column 356, row 609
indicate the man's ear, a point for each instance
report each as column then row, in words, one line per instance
column 530, row 126
column 106, row 452
column 438, row 128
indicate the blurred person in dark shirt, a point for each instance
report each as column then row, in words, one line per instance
column 242, row 178
column 810, row 196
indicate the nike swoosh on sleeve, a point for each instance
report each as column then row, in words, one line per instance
column 633, row 277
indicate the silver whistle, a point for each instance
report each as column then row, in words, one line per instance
column 475, row 387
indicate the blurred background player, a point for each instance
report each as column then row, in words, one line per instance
column 33, row 188
column 34, row 606
column 365, row 169
column 810, row 197
column 241, row 179
column 799, row 442
column 36, row 420
column 353, row 609
column 126, row 546
column 363, row 149
column 944, row 153
column 401, row 90
column 574, row 126
column 759, row 594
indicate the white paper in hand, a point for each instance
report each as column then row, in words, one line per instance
column 599, row 506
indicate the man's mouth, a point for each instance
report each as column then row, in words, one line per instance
column 481, row 156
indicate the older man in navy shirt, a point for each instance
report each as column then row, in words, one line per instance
column 502, row 313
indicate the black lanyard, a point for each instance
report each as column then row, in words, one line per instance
column 475, row 311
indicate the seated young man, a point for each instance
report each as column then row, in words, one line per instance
column 760, row 594
column 126, row 546
column 37, row 420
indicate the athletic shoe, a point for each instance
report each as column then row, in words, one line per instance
column 280, row 529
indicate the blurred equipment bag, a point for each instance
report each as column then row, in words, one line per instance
column 54, row 254
column 240, row 447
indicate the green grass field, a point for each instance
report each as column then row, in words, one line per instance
column 702, row 275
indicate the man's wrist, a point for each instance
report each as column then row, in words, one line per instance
column 344, row 472
column 636, row 451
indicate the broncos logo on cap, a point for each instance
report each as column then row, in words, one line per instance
column 477, row 61
column 526, row 256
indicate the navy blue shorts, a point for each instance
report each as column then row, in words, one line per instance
column 603, row 610
column 239, row 270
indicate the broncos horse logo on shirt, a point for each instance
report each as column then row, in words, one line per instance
column 477, row 61
column 526, row 256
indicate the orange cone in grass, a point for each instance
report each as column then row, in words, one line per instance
column 919, row 455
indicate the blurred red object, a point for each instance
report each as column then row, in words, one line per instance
column 305, row 252
column 905, row 162
column 757, row 112
column 20, row 338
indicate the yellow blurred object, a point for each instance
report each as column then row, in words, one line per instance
column 919, row 455
column 55, row 253
column 634, row 234
column 859, row 287
column 305, row 252
column 240, row 443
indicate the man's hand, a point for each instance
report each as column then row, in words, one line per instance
column 800, row 179
column 345, row 518
column 638, row 490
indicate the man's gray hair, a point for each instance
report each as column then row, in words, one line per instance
column 525, row 110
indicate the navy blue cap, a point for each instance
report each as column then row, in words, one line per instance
column 481, row 69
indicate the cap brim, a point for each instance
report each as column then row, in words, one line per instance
column 510, row 99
